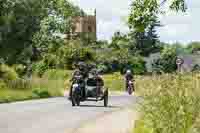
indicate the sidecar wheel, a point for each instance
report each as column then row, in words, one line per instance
column 73, row 101
column 106, row 98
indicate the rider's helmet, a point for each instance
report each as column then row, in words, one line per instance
column 128, row 72
column 81, row 66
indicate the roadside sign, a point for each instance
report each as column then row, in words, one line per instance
column 179, row 61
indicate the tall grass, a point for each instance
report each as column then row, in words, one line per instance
column 171, row 104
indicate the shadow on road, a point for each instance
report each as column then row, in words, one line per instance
column 98, row 106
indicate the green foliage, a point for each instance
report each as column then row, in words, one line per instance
column 51, row 60
column 103, row 68
column 27, row 27
column 137, row 65
column 119, row 41
column 146, row 42
column 196, row 68
column 2, row 85
column 193, row 47
column 167, row 62
column 41, row 93
column 73, row 52
column 20, row 69
column 39, row 68
column 7, row 95
column 55, row 74
column 7, row 73
column 101, row 44
column 178, row 5
column 144, row 12
column 143, row 21
column 112, row 60
column 19, row 21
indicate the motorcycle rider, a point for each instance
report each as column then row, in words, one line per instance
column 98, row 79
column 128, row 77
column 100, row 82
column 81, row 70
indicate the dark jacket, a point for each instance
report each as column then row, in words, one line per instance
column 128, row 77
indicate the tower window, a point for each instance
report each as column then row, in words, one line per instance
column 89, row 29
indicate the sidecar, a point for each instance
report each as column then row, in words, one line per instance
column 94, row 91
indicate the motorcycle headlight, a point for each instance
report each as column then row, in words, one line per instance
column 75, row 85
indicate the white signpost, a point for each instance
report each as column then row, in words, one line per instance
column 179, row 63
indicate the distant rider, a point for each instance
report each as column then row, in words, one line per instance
column 128, row 77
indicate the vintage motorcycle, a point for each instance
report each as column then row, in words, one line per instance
column 130, row 87
column 91, row 90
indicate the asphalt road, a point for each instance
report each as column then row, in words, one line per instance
column 55, row 115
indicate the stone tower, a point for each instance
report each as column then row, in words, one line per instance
column 84, row 25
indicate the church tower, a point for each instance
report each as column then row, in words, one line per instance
column 85, row 25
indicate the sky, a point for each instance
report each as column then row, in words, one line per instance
column 112, row 16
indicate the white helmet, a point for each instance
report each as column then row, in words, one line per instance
column 128, row 71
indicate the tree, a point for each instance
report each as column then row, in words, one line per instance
column 28, row 24
column 19, row 21
column 193, row 47
column 146, row 42
column 143, row 19
column 119, row 40
column 58, row 21
column 167, row 62
column 143, row 12
column 73, row 52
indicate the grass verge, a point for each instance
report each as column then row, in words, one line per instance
column 171, row 104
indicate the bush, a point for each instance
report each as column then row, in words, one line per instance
column 54, row 74
column 41, row 93
column 39, row 68
column 51, row 60
column 167, row 62
column 138, row 65
column 103, row 68
column 196, row 68
column 73, row 52
column 20, row 69
column 2, row 85
column 7, row 73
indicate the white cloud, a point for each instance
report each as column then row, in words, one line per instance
column 107, row 28
column 181, row 27
column 112, row 14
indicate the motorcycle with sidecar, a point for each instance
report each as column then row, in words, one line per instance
column 91, row 89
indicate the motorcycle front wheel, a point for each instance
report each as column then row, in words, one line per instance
column 130, row 90
column 75, row 99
